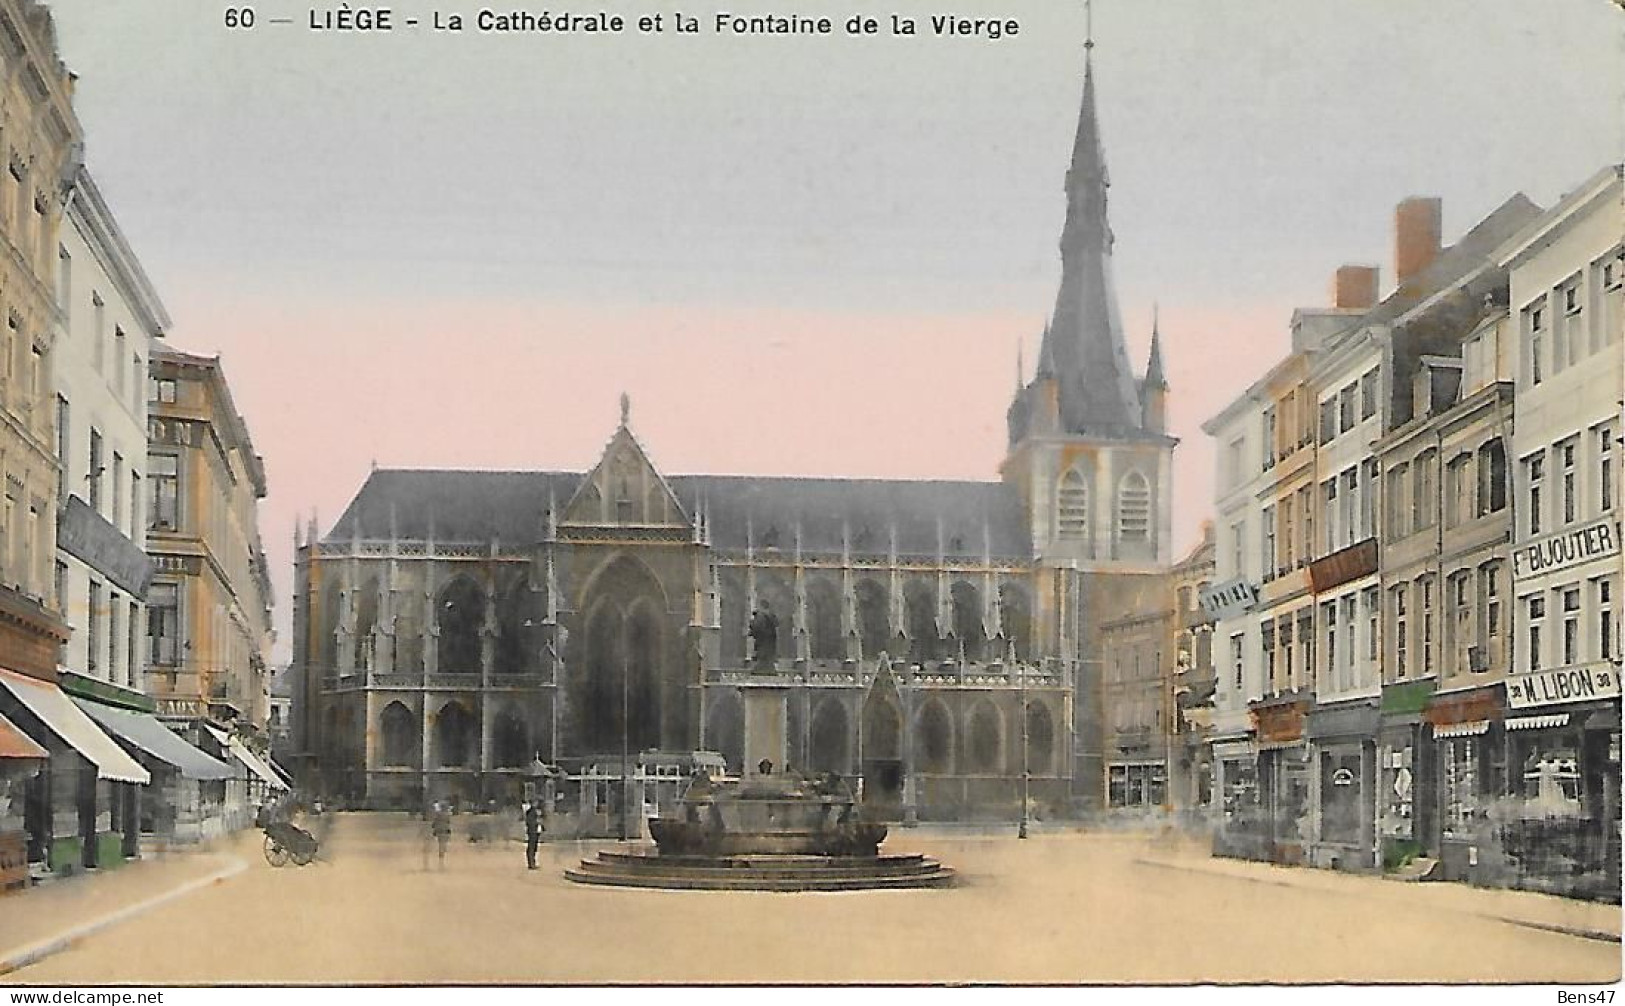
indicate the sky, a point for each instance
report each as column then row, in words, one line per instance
column 797, row 255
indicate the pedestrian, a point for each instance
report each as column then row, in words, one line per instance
column 533, row 833
column 440, row 825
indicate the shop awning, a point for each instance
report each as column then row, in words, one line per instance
column 143, row 731
column 1472, row 728
column 1538, row 722
column 16, row 744
column 52, row 705
column 251, row 761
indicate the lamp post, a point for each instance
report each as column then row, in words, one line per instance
column 626, row 727
column 1026, row 776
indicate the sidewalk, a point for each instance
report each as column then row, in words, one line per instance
column 39, row 921
column 1587, row 919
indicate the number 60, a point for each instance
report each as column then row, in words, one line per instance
column 239, row 17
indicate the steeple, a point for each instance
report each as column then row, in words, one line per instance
column 1154, row 377
column 1084, row 341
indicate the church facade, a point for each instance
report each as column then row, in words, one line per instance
column 461, row 635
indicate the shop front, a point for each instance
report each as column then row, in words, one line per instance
column 1344, row 751
column 1561, row 825
column 1469, row 755
column 176, row 805
column 1239, row 830
column 77, row 811
column 1407, row 822
column 1285, row 777
column 21, row 759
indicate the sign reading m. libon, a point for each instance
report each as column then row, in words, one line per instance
column 1555, row 553
column 1563, row 684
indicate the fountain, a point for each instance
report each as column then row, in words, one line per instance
column 770, row 830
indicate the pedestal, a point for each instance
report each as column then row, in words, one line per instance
column 766, row 734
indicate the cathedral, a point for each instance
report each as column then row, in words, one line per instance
column 462, row 635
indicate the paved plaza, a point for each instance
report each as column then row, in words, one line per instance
column 1059, row 907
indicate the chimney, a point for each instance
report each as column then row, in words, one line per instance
column 1355, row 286
column 1416, row 236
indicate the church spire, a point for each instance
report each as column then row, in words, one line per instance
column 1154, row 376
column 1084, row 343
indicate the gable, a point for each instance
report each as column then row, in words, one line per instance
column 624, row 489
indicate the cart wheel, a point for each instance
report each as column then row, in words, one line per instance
column 275, row 854
column 304, row 858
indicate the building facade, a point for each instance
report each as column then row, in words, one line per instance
column 209, row 607
column 1560, row 828
column 460, row 634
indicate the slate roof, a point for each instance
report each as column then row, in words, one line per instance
column 477, row 506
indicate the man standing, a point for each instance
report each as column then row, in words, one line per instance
column 533, row 833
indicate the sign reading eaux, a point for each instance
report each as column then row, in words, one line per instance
column 1597, row 540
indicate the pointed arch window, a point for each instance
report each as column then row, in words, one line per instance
column 1072, row 506
column 1133, row 508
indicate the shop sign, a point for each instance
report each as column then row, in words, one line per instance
column 1279, row 724
column 1563, row 684
column 1566, row 549
column 1359, row 559
column 1228, row 599
column 1473, row 706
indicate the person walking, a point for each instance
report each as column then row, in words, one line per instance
column 533, row 833
column 440, row 828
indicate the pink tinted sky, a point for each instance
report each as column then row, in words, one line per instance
column 798, row 256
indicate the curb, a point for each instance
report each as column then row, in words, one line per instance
column 36, row 952
column 1599, row 935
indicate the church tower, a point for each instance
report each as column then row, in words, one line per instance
column 1089, row 451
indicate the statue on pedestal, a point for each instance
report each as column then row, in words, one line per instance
column 764, row 636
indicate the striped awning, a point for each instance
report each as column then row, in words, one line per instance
column 1538, row 722
column 1472, row 728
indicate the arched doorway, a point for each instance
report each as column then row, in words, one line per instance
column 1040, row 739
column 627, row 687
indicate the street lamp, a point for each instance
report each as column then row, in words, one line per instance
column 1026, row 776
column 626, row 726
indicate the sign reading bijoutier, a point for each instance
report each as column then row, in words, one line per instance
column 1581, row 683
column 1558, row 552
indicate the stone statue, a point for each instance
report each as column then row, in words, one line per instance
column 764, row 635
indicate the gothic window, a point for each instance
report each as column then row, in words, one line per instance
column 330, row 624
column 399, row 727
column 920, row 600
column 935, row 738
column 1072, row 506
column 873, row 629
column 725, row 729
column 982, row 748
column 824, row 621
column 510, row 741
column 968, row 630
column 460, row 610
column 830, row 746
column 1040, row 739
column 882, row 731
column 1015, row 618
column 366, row 620
column 454, row 734
column 519, row 618
column 1133, row 508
